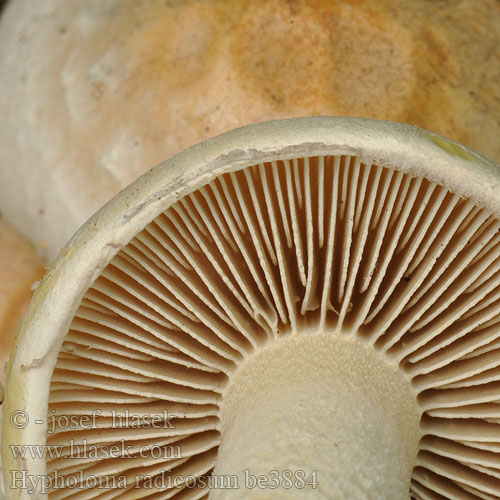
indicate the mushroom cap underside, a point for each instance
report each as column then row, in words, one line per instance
column 368, row 230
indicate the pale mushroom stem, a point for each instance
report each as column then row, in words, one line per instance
column 328, row 414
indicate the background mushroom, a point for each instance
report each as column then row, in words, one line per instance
column 95, row 93
column 333, row 280
column 20, row 267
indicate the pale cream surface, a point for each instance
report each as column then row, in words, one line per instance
column 95, row 93
column 323, row 403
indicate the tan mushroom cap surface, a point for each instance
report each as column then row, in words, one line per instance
column 94, row 93
column 292, row 293
column 20, row 267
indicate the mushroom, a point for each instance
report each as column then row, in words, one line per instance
column 308, row 303
column 20, row 267
column 94, row 93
